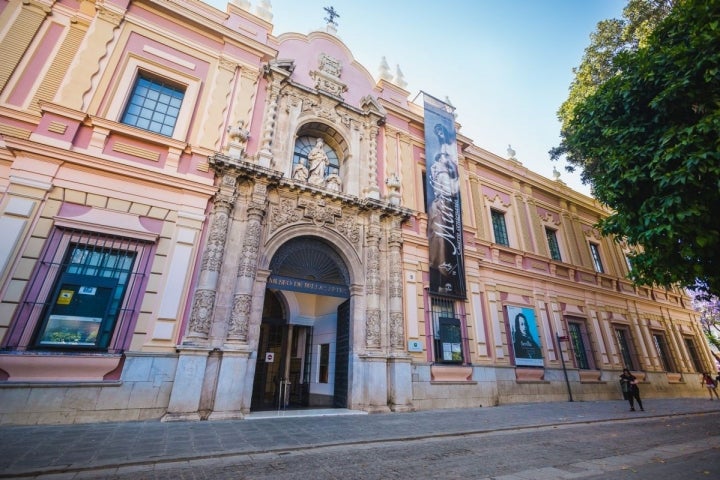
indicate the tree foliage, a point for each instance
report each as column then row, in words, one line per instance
column 648, row 141
column 709, row 309
column 611, row 37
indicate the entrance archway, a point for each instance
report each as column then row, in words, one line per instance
column 304, row 343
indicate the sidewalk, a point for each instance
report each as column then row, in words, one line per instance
column 34, row 450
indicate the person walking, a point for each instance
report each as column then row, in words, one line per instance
column 630, row 389
column 708, row 382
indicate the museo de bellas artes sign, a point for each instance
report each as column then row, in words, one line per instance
column 445, row 231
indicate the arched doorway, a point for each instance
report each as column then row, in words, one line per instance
column 304, row 343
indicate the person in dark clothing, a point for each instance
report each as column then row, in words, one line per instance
column 630, row 389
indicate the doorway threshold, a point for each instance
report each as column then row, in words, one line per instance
column 309, row 412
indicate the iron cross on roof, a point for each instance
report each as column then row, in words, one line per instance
column 331, row 15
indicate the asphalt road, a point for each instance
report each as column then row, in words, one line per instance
column 643, row 448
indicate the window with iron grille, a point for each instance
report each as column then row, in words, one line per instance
column 580, row 342
column 447, row 331
column 622, row 334
column 551, row 236
column 154, row 105
column 694, row 356
column 499, row 228
column 595, row 253
column 663, row 352
column 84, row 294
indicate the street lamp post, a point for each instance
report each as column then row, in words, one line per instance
column 562, row 359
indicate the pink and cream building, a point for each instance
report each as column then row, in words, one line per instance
column 202, row 218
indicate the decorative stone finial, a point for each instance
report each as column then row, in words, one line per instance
column 264, row 10
column 244, row 4
column 238, row 136
column 384, row 70
column 393, row 183
column 399, row 77
column 556, row 174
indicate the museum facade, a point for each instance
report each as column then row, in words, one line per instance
column 202, row 219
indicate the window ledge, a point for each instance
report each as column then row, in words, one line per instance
column 51, row 367
column 450, row 373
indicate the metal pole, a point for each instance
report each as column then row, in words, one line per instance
column 562, row 359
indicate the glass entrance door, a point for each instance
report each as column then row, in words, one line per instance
column 282, row 371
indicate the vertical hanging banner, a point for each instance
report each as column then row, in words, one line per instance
column 445, row 232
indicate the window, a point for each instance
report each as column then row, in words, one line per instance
column 694, row 357
column 551, row 236
column 499, row 228
column 580, row 343
column 622, row 334
column 595, row 253
column 84, row 294
column 448, row 332
column 154, row 105
column 663, row 352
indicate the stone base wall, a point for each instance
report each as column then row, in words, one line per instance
column 492, row 386
column 142, row 393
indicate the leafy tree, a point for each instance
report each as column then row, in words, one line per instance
column 647, row 139
column 611, row 37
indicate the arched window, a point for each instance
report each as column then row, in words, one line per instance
column 303, row 145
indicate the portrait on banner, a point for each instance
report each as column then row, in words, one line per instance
column 447, row 273
column 525, row 338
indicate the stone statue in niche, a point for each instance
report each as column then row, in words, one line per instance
column 317, row 163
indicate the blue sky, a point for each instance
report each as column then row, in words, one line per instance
column 506, row 65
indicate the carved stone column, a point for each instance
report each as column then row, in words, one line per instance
column 268, row 132
column 247, row 268
column 371, row 189
column 204, row 297
column 397, row 325
column 372, row 285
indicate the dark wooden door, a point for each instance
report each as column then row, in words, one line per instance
column 342, row 355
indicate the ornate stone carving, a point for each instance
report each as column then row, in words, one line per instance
column 239, row 317
column 349, row 229
column 284, row 213
column 397, row 331
column 395, row 283
column 248, row 260
column 327, row 76
column 372, row 329
column 372, row 271
column 214, row 251
column 319, row 212
column 202, row 308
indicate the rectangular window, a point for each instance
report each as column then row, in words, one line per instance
column 448, row 332
column 580, row 343
column 551, row 236
column 597, row 262
column 622, row 334
column 84, row 294
column 694, row 357
column 499, row 228
column 154, row 105
column 663, row 353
